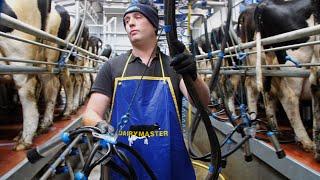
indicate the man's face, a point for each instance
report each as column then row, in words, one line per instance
column 138, row 27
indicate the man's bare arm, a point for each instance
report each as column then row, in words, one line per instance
column 96, row 108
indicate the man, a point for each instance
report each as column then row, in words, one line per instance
column 143, row 88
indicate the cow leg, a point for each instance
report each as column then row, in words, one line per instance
column 315, row 93
column 315, row 89
column 252, row 96
column 86, row 86
column 269, row 103
column 290, row 103
column 77, row 88
column 26, row 89
column 67, row 82
column 51, row 86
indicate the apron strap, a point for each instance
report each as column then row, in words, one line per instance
column 126, row 66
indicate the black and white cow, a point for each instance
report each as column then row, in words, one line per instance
column 34, row 13
column 228, row 83
column 315, row 84
column 274, row 17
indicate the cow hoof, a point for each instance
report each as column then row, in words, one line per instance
column 44, row 129
column 22, row 146
column 308, row 147
column 317, row 157
column 67, row 117
column 18, row 137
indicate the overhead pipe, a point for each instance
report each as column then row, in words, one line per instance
column 17, row 38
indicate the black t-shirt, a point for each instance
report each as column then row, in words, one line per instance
column 114, row 67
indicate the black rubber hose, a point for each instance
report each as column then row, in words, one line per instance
column 105, row 157
column 245, row 139
column 205, row 158
column 86, row 169
column 126, row 161
column 115, row 167
column 175, row 48
column 139, row 158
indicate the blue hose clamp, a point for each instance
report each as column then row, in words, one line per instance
column 270, row 133
column 221, row 55
column 242, row 56
column 65, row 137
column 210, row 55
column 80, row 176
column 167, row 28
column 293, row 60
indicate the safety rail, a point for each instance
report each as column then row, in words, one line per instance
column 21, row 26
column 303, row 73
column 309, row 31
column 266, row 50
column 10, row 69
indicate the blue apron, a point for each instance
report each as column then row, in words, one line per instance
column 153, row 129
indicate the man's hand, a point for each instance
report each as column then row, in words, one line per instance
column 184, row 63
column 105, row 127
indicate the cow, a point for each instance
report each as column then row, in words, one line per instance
column 315, row 84
column 229, row 84
column 269, row 20
column 58, row 25
column 34, row 13
column 106, row 51
column 95, row 43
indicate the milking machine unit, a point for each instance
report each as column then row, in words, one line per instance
column 105, row 148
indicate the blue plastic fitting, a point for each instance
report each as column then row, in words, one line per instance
column 80, row 176
column 293, row 60
column 269, row 134
column 211, row 169
column 62, row 170
column 65, row 137
column 221, row 55
column 210, row 55
column 242, row 56
column 84, row 139
column 167, row 28
column 74, row 151
column 125, row 118
column 229, row 141
column 203, row 3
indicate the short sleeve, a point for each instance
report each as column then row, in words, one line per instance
column 103, row 82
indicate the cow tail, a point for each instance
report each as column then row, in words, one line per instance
column 258, row 23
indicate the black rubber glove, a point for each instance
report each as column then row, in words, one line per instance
column 105, row 127
column 184, row 63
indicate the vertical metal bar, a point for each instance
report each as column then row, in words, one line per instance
column 71, row 173
column 81, row 156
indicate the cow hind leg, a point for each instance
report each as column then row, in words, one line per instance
column 77, row 89
column 290, row 104
column 51, row 87
column 252, row 96
column 26, row 90
column 270, row 104
column 315, row 89
column 67, row 83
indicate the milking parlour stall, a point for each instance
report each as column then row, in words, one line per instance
column 160, row 89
